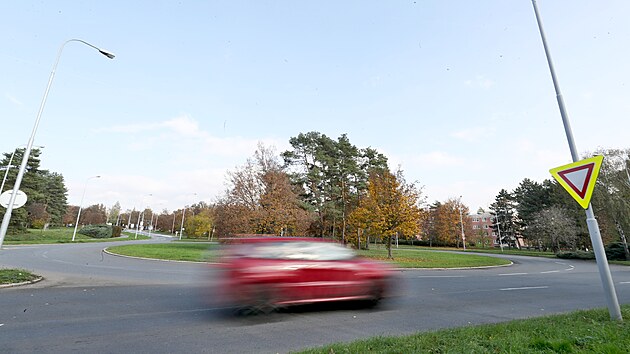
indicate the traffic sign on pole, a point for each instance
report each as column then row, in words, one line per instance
column 579, row 178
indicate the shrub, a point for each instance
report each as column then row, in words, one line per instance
column 615, row 252
column 575, row 255
column 116, row 231
column 97, row 231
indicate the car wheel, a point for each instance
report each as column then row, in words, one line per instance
column 261, row 302
column 376, row 295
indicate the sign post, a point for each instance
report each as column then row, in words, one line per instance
column 579, row 179
column 573, row 177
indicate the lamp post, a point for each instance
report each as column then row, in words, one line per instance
column 74, row 233
column 461, row 222
column 6, row 172
column 181, row 228
column 138, row 223
column 29, row 145
column 593, row 227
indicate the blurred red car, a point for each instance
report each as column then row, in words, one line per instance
column 261, row 274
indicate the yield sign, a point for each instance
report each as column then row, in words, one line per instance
column 579, row 178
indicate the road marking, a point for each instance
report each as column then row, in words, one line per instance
column 512, row 274
column 525, row 288
column 625, row 282
column 550, row 271
column 440, row 276
column 566, row 264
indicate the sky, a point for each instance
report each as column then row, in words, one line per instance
column 458, row 94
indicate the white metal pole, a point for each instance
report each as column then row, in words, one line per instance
column 181, row 228
column 6, row 172
column 461, row 222
column 29, row 145
column 76, row 224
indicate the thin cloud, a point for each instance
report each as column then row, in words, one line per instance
column 480, row 82
column 13, row 100
column 439, row 158
column 474, row 134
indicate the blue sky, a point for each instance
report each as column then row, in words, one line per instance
column 458, row 93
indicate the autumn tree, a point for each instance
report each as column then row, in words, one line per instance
column 200, row 224
column 260, row 199
column 93, row 215
column 446, row 222
column 390, row 207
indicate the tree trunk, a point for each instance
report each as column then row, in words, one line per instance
column 623, row 241
column 389, row 247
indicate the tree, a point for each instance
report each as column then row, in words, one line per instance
column 260, row 199
column 93, row 215
column 390, row 207
column 46, row 191
column 38, row 217
column 445, row 222
column 331, row 176
column 114, row 213
column 530, row 197
column 505, row 221
column 200, row 224
column 611, row 197
column 553, row 228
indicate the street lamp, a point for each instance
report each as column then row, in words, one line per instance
column 6, row 172
column 181, row 228
column 461, row 222
column 29, row 145
column 138, row 223
column 74, row 233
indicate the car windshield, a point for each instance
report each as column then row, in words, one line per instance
column 315, row 251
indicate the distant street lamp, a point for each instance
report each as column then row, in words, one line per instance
column 181, row 228
column 29, row 145
column 461, row 222
column 142, row 206
column 74, row 233
column 6, row 172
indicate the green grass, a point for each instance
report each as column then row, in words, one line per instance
column 193, row 252
column 589, row 331
column 10, row 276
column 517, row 252
column 406, row 258
column 59, row 235
column 424, row 258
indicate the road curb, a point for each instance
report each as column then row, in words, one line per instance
column 11, row 285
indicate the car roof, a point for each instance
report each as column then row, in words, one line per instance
column 263, row 239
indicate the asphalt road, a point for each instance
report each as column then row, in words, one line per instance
column 98, row 303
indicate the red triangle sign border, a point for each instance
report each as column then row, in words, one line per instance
column 580, row 191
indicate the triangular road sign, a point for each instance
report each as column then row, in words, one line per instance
column 579, row 178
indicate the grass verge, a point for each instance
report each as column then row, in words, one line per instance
column 59, row 235
column 11, row 276
column 192, row 252
column 405, row 258
column 589, row 331
column 422, row 258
